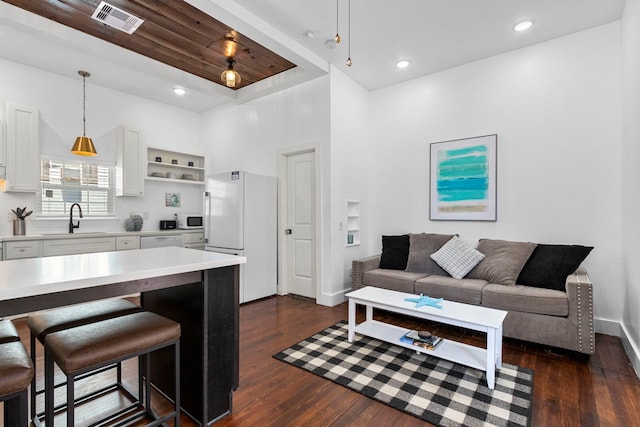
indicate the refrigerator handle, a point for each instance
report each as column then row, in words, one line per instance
column 206, row 207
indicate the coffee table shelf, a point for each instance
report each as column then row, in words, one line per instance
column 468, row 316
column 449, row 350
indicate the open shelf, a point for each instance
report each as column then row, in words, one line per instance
column 172, row 166
column 353, row 223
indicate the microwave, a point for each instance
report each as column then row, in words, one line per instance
column 186, row 221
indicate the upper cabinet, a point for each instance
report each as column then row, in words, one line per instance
column 22, row 155
column 165, row 165
column 130, row 162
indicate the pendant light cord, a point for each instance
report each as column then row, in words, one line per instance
column 349, row 62
column 84, row 105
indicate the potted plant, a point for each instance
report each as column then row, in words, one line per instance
column 19, row 225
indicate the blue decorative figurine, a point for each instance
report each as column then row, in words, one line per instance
column 425, row 300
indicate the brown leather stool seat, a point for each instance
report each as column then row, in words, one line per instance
column 89, row 347
column 42, row 324
column 16, row 372
column 8, row 332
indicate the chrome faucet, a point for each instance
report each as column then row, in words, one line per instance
column 71, row 226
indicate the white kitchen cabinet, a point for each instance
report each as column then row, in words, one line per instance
column 22, row 249
column 124, row 243
column 193, row 240
column 130, row 162
column 22, row 151
column 173, row 166
column 81, row 245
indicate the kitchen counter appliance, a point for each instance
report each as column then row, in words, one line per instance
column 166, row 224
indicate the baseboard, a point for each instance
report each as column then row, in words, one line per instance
column 631, row 348
column 618, row 329
column 607, row 327
column 331, row 300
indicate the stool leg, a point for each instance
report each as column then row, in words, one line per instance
column 147, row 383
column 34, row 412
column 48, row 388
column 71, row 410
column 16, row 410
column 177, row 382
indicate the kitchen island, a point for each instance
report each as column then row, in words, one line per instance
column 199, row 289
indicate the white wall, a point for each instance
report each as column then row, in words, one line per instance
column 631, row 176
column 556, row 109
column 352, row 147
column 250, row 137
column 59, row 101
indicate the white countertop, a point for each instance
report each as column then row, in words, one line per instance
column 36, row 276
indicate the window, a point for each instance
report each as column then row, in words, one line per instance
column 65, row 182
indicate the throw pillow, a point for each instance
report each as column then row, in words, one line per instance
column 503, row 260
column 395, row 252
column 457, row 257
column 420, row 247
column 549, row 265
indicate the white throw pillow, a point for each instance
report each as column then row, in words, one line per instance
column 457, row 258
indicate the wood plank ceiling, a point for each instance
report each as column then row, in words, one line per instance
column 173, row 32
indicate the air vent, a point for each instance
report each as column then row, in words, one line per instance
column 116, row 18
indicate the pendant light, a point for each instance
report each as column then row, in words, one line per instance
column 84, row 145
column 230, row 77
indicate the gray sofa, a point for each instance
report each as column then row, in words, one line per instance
column 555, row 317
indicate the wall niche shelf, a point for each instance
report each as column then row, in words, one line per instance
column 173, row 166
column 353, row 223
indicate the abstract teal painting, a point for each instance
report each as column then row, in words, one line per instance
column 463, row 179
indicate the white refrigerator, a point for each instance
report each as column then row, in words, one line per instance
column 240, row 218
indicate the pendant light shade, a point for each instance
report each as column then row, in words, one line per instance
column 230, row 77
column 84, row 145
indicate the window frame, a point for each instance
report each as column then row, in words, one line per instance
column 86, row 189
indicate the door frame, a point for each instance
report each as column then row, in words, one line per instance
column 283, row 153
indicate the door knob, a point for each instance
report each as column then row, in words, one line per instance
column 288, row 231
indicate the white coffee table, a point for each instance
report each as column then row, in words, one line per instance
column 452, row 313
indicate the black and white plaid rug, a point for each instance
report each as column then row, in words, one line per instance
column 434, row 390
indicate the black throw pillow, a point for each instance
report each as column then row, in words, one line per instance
column 549, row 265
column 395, row 252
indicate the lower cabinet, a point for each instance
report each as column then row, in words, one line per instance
column 82, row 245
column 124, row 243
column 193, row 240
column 22, row 249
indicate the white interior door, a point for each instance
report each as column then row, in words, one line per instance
column 301, row 225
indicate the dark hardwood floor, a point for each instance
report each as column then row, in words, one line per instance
column 569, row 389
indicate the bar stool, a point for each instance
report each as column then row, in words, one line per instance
column 16, row 371
column 8, row 332
column 92, row 346
column 42, row 324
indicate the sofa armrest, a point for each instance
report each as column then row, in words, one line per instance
column 580, row 294
column 359, row 267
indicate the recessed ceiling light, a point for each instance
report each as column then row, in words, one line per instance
column 179, row 91
column 522, row 26
column 403, row 63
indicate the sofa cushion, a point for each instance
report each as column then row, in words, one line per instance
column 456, row 257
column 396, row 280
column 462, row 290
column 503, row 261
column 395, row 252
column 421, row 246
column 549, row 265
column 526, row 299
